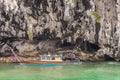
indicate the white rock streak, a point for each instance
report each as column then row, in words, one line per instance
column 10, row 5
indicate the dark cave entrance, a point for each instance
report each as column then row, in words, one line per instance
column 87, row 46
column 67, row 45
column 91, row 47
column 108, row 58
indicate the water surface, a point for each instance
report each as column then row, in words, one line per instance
column 85, row 71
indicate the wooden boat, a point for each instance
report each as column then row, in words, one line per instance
column 50, row 59
column 43, row 62
column 44, row 59
column 48, row 63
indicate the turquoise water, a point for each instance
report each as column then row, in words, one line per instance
column 85, row 71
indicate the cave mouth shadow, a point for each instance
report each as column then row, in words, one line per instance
column 91, row 47
column 108, row 58
column 67, row 45
column 87, row 46
column 84, row 46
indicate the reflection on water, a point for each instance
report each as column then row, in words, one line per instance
column 44, row 65
column 85, row 71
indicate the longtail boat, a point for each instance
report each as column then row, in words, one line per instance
column 44, row 59
column 45, row 62
column 42, row 62
column 47, row 59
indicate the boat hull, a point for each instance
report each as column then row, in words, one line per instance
column 43, row 62
column 50, row 62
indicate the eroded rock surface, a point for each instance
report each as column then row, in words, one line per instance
column 90, row 26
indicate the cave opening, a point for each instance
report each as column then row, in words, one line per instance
column 91, row 47
column 67, row 45
column 108, row 58
column 87, row 46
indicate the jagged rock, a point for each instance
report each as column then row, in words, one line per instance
column 48, row 45
column 23, row 47
column 89, row 25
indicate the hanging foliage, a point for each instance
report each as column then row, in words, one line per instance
column 30, row 33
column 96, row 15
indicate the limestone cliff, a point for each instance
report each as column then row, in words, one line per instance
column 90, row 26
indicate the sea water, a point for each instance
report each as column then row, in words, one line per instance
column 84, row 71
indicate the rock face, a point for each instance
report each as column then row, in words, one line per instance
column 91, row 26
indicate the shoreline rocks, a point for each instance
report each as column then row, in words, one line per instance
column 85, row 57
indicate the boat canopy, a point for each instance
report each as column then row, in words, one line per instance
column 51, row 58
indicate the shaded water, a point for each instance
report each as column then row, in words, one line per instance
column 85, row 71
